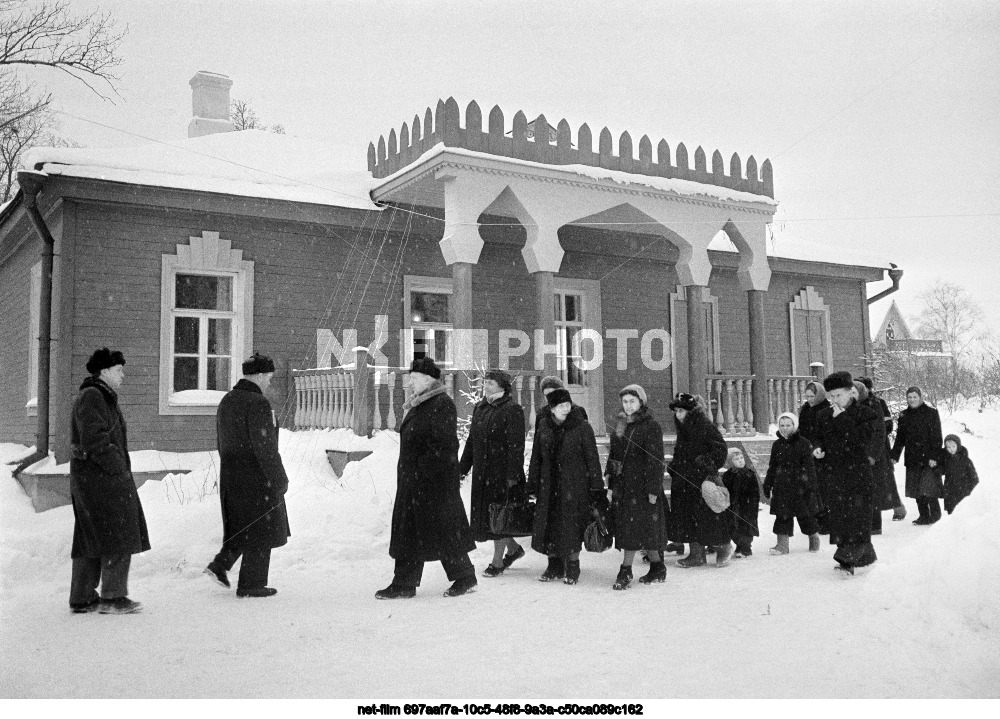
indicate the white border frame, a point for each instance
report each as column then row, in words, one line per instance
column 809, row 300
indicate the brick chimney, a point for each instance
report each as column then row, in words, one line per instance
column 210, row 104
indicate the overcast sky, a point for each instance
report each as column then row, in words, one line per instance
column 880, row 118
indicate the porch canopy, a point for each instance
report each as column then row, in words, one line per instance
column 536, row 175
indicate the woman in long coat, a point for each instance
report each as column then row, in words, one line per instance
column 791, row 485
column 809, row 412
column 884, row 495
column 635, row 478
column 109, row 522
column 843, row 447
column 429, row 523
column 565, row 476
column 494, row 451
column 919, row 432
column 699, row 453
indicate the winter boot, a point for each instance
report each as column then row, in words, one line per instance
column 781, row 547
column 695, row 559
column 657, row 573
column 256, row 592
column 675, row 548
column 511, row 557
column 121, row 605
column 572, row 571
column 396, row 591
column 813, row 542
column 462, row 585
column 624, row 578
column 724, row 554
column 899, row 513
column 218, row 574
column 555, row 570
column 493, row 571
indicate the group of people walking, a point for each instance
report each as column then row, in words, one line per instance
column 830, row 470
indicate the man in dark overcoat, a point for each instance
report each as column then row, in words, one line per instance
column 428, row 518
column 698, row 454
column 252, row 482
column 919, row 432
column 882, row 409
column 109, row 523
column 494, row 451
column 844, row 445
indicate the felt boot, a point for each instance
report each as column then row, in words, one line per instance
column 813, row 542
column 695, row 559
column 781, row 547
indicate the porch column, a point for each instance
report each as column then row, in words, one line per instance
column 545, row 314
column 460, row 309
column 697, row 361
column 758, row 360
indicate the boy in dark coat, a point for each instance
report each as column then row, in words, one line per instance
column 428, row 518
column 744, row 497
column 843, row 446
column 635, row 478
column 109, row 523
column 960, row 476
column 494, row 451
column 698, row 455
column 252, row 482
column 791, row 485
column 565, row 476
column 919, row 432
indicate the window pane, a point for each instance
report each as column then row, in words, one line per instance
column 185, row 373
column 573, row 313
column 557, row 310
column 428, row 307
column 204, row 292
column 218, row 373
column 440, row 346
column 185, row 335
column 420, row 348
column 219, row 336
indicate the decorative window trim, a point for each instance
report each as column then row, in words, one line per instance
column 419, row 283
column 681, row 296
column 591, row 291
column 34, row 327
column 808, row 300
column 207, row 255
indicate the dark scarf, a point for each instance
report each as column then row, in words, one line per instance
column 109, row 394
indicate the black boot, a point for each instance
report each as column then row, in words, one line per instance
column 624, row 578
column 657, row 573
column 572, row 571
column 675, row 548
column 555, row 570
column 695, row 559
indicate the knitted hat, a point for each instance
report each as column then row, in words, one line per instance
column 634, row 390
column 683, row 400
column 838, row 380
column 500, row 377
column 425, row 365
column 558, row 396
column 954, row 438
column 258, row 364
column 550, row 382
column 912, row 390
column 792, row 416
column 104, row 359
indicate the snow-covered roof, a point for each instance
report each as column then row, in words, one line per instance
column 666, row 184
column 787, row 246
column 250, row 163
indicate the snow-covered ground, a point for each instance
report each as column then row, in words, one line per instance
column 923, row 622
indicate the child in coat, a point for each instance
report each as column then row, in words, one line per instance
column 744, row 501
column 960, row 476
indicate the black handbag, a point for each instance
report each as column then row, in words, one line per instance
column 597, row 537
column 512, row 519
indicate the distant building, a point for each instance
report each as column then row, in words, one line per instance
column 894, row 335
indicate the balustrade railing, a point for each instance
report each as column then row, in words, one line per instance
column 786, row 394
column 328, row 397
column 731, row 403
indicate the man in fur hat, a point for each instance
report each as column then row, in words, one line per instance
column 428, row 517
column 252, row 482
column 109, row 523
column 846, row 432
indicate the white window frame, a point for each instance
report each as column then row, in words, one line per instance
column 808, row 300
column 437, row 285
column 205, row 255
column 34, row 328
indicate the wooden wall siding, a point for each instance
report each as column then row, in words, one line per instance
column 15, row 282
column 445, row 126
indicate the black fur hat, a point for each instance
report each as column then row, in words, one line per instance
column 683, row 400
column 258, row 364
column 838, row 380
column 501, row 378
column 558, row 396
column 104, row 359
column 425, row 365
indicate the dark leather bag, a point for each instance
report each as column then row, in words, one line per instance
column 512, row 518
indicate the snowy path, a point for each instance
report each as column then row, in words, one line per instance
column 763, row 627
